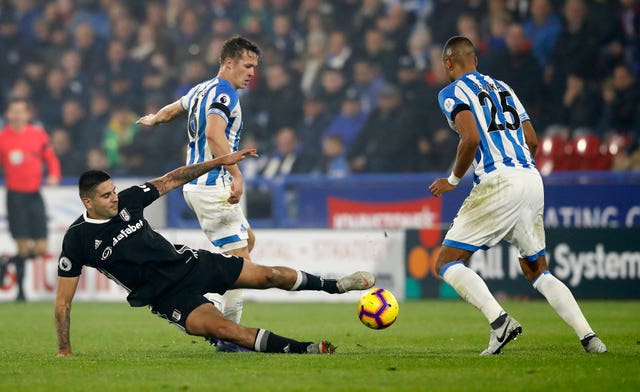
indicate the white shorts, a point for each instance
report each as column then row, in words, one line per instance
column 506, row 205
column 223, row 223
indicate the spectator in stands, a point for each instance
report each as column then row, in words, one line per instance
column 333, row 162
column 277, row 99
column 78, row 79
column 443, row 19
column 285, row 38
column 13, row 48
column 194, row 71
column 49, row 102
column 366, row 16
column 70, row 154
column 120, row 65
column 467, row 26
column 27, row 12
column 159, row 76
column 514, row 61
column 339, row 52
column 74, row 121
column 542, row 29
column 333, row 82
column 91, row 50
column 621, row 99
column 581, row 104
column 416, row 95
column 118, row 135
column 98, row 119
column 625, row 43
column 315, row 119
column 418, row 46
column 387, row 136
column 349, row 122
column 376, row 50
column 576, row 47
column 368, row 80
column 35, row 71
column 395, row 27
column 312, row 62
column 285, row 159
column 124, row 29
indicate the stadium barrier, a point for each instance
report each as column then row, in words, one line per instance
column 331, row 253
column 601, row 263
column 573, row 199
column 592, row 220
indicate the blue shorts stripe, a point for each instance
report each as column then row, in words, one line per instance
column 227, row 240
column 533, row 258
column 462, row 245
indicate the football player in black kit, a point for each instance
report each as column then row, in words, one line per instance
column 114, row 237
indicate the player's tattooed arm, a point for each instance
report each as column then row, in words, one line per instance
column 63, row 322
column 64, row 296
column 184, row 174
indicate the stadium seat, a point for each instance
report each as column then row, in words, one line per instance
column 552, row 154
column 584, row 153
column 615, row 144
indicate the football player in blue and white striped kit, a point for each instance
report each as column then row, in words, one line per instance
column 507, row 200
column 214, row 126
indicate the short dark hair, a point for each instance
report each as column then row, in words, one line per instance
column 457, row 46
column 89, row 180
column 235, row 46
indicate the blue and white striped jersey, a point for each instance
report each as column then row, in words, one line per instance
column 499, row 116
column 214, row 96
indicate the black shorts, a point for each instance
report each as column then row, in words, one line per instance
column 214, row 273
column 26, row 215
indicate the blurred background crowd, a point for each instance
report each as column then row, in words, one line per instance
column 343, row 86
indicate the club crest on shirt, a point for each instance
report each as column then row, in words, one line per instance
column 124, row 214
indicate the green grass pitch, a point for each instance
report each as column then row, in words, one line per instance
column 434, row 345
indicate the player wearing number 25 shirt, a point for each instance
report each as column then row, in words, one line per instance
column 507, row 200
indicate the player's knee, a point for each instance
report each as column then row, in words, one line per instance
column 251, row 240
column 269, row 277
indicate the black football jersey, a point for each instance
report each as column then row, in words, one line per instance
column 126, row 249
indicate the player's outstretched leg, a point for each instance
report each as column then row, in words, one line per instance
column 256, row 276
column 207, row 321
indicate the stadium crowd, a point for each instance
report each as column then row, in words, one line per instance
column 343, row 85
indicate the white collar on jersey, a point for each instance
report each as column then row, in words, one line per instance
column 91, row 220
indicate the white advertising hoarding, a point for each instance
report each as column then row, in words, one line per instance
column 331, row 253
